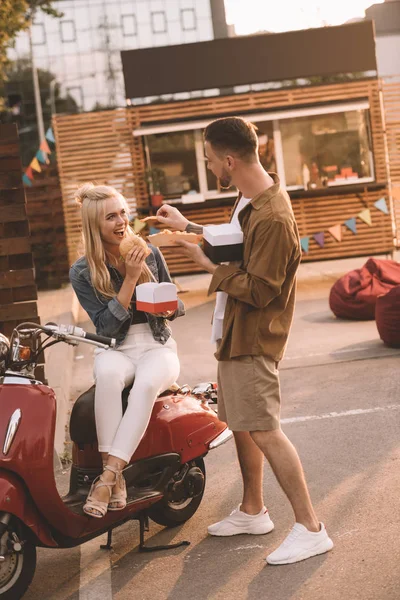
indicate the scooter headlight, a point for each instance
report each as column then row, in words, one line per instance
column 4, row 353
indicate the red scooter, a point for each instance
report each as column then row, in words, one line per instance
column 165, row 478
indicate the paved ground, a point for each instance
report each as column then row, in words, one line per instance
column 341, row 408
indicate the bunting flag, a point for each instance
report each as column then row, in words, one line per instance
column 154, row 230
column 50, row 136
column 305, row 242
column 320, row 238
column 381, row 205
column 336, row 232
column 365, row 215
column 42, row 157
column 45, row 147
column 138, row 225
column 35, row 165
column 26, row 180
column 29, row 172
column 352, row 225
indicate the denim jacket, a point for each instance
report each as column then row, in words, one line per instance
column 109, row 316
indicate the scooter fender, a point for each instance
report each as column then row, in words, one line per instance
column 15, row 499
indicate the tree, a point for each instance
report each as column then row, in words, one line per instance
column 18, row 85
column 15, row 16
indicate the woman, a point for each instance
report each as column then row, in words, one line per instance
column 145, row 352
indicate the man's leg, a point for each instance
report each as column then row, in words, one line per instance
column 286, row 465
column 251, row 460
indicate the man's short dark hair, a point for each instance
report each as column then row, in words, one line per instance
column 232, row 134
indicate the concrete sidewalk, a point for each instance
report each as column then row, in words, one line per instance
column 61, row 306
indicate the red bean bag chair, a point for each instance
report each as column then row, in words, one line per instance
column 354, row 295
column 387, row 315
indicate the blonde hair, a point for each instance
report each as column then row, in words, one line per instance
column 92, row 199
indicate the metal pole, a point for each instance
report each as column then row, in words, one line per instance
column 53, row 83
column 36, row 88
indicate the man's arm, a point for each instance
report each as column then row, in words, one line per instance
column 265, row 274
column 194, row 228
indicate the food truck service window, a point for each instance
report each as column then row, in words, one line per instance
column 314, row 147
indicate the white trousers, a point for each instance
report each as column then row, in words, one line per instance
column 153, row 366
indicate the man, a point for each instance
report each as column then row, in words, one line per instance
column 253, row 315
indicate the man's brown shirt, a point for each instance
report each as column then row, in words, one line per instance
column 261, row 290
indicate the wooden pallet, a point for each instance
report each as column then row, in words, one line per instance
column 18, row 293
column 46, row 221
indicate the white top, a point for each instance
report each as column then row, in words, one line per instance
column 220, row 304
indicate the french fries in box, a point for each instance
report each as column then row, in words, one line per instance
column 169, row 238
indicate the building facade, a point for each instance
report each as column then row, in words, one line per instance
column 82, row 48
column 386, row 17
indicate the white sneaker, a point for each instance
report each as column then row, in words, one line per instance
column 240, row 522
column 301, row 544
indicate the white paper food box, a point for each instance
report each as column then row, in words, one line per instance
column 155, row 297
column 223, row 243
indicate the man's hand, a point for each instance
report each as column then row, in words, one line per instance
column 170, row 216
column 196, row 254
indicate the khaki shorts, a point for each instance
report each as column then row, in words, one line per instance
column 249, row 396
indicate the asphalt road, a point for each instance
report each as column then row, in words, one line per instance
column 341, row 408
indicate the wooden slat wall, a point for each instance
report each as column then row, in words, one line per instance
column 391, row 101
column 46, row 221
column 87, row 153
column 94, row 147
column 18, row 292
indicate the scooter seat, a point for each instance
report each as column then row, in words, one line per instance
column 82, row 427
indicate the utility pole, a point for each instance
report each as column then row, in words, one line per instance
column 36, row 88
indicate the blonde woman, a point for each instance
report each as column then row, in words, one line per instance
column 145, row 352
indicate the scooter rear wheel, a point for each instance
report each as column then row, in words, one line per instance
column 171, row 514
column 17, row 568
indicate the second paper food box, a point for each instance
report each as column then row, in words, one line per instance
column 156, row 297
column 223, row 243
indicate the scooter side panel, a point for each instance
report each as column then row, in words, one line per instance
column 31, row 453
column 15, row 500
column 181, row 424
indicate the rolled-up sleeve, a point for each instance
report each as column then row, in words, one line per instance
column 261, row 281
column 109, row 316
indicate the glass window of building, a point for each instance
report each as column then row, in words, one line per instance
column 38, row 34
column 188, row 19
column 158, row 22
column 328, row 149
column 67, row 31
column 129, row 25
column 175, row 154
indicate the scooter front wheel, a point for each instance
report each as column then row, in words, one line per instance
column 17, row 563
column 180, row 503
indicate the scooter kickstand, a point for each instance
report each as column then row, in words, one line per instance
column 144, row 526
column 107, row 546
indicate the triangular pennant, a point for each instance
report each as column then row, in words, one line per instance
column 381, row 205
column 35, row 165
column 138, row 225
column 29, row 172
column 336, row 232
column 45, row 147
column 41, row 156
column 304, row 242
column 50, row 135
column 365, row 215
column 26, row 180
column 320, row 238
column 352, row 225
column 154, row 230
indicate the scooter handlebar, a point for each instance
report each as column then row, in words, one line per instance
column 72, row 332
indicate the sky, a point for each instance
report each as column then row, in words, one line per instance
column 250, row 16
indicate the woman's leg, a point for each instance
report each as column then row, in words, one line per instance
column 113, row 371
column 156, row 370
